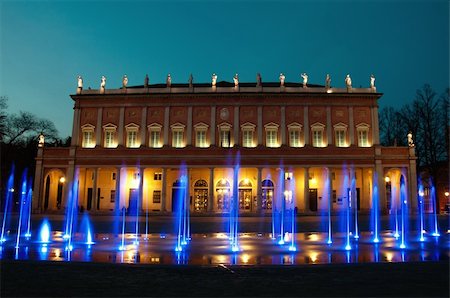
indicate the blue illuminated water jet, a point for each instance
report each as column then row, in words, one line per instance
column 375, row 211
column 435, row 211
column 22, row 202
column 8, row 205
column 403, row 202
column 421, row 226
column 86, row 229
column 44, row 232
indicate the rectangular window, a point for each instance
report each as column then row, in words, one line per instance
column 363, row 138
column 109, row 138
column 132, row 139
column 317, row 138
column 340, row 138
column 155, row 136
column 157, row 176
column 156, row 196
column 200, row 140
column 271, row 138
column 113, row 196
column 224, row 138
column 88, row 139
column 177, row 139
column 294, row 138
column 247, row 138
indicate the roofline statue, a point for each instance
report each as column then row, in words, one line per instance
column 213, row 80
column 282, row 78
column 103, row 84
column 79, row 84
column 305, row 79
column 124, row 81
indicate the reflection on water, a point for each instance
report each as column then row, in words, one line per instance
column 213, row 249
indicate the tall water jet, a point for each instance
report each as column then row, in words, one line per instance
column 122, row 245
column 234, row 209
column 71, row 214
column 28, row 205
column 328, row 188
column 421, row 226
column 403, row 202
column 348, row 206
column 22, row 202
column 375, row 211
column 290, row 187
column 355, row 202
column 180, row 196
column 282, row 198
column 8, row 205
column 435, row 211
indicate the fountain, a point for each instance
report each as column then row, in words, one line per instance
column 421, row 225
column 403, row 202
column 234, row 209
column 44, row 232
column 182, row 210
column 86, row 230
column 8, row 205
column 355, row 202
column 122, row 245
column 22, row 202
column 435, row 211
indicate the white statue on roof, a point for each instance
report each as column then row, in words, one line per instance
column 191, row 80
column 103, row 83
column 328, row 81
column 146, row 81
column 348, row 81
column 282, row 78
column 213, row 80
column 169, row 80
column 236, row 80
column 372, row 81
column 80, row 82
column 258, row 79
column 410, row 139
column 41, row 141
column 124, row 81
column 305, row 79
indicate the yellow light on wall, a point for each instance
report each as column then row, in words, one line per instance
column 387, row 179
column 62, row 179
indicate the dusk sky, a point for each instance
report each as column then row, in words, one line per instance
column 45, row 45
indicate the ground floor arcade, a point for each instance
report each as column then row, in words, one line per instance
column 210, row 189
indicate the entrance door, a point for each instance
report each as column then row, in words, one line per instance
column 98, row 198
column 47, row 192
column 313, row 199
column 245, row 199
column 200, row 200
column 89, row 199
column 133, row 201
column 358, row 199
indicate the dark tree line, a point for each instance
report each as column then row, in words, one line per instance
column 427, row 118
column 18, row 142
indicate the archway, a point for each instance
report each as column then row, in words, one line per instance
column 267, row 188
column 245, row 195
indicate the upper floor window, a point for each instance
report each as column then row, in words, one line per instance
column 110, row 135
column 132, row 135
column 362, row 130
column 317, row 130
column 154, row 135
column 177, row 135
column 340, row 135
column 247, row 134
column 224, row 135
column 271, row 135
column 88, row 136
column 200, row 135
column 294, row 134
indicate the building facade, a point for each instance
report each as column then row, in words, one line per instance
column 270, row 145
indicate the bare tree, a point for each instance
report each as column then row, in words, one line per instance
column 393, row 129
column 25, row 126
column 3, row 115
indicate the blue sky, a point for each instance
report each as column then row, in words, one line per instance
column 44, row 45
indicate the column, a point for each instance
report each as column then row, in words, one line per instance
column 236, row 126
column 76, row 127
column 283, row 125
column 329, row 137
column 121, row 125
column 351, row 126
column 98, row 128
column 94, row 190
column 375, row 128
column 166, row 126
column 306, row 124
column 163, row 190
column 38, row 182
column 260, row 126
column 189, row 127
column 211, row 190
column 330, row 188
column 144, row 127
column 141, row 188
column 212, row 128
column 306, row 194
column 379, row 174
column 259, row 190
column 117, row 205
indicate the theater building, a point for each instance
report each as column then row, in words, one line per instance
column 276, row 144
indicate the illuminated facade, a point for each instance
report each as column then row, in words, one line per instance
column 310, row 146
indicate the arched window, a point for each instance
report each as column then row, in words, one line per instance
column 267, row 188
column 223, row 195
column 200, row 196
column 201, row 183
